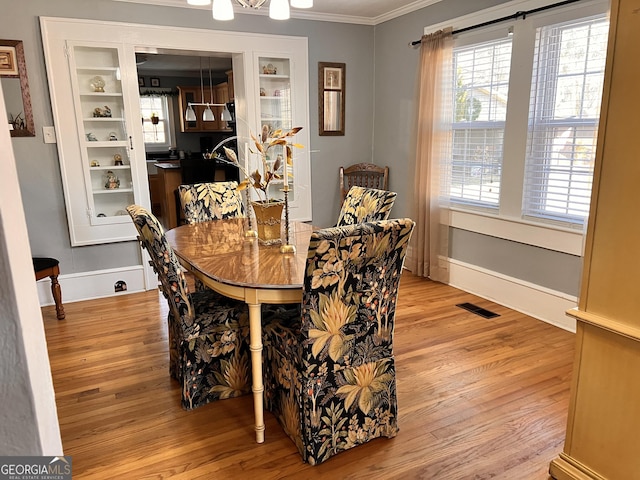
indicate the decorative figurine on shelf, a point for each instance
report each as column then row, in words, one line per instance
column 117, row 159
column 112, row 182
column 263, row 92
column 113, row 137
column 95, row 163
column 269, row 69
column 91, row 137
column 97, row 83
column 102, row 112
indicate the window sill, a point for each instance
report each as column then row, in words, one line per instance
column 551, row 237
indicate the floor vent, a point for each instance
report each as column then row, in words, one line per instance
column 483, row 312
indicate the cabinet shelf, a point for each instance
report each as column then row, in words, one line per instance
column 107, row 143
column 101, row 94
column 103, row 119
column 274, row 77
column 96, row 68
column 112, row 167
column 112, row 191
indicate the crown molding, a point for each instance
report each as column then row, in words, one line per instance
column 303, row 14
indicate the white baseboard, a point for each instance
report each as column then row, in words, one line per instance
column 89, row 285
column 533, row 300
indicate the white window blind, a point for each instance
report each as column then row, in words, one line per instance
column 566, row 92
column 157, row 135
column 481, row 87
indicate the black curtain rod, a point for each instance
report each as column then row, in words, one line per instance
column 515, row 16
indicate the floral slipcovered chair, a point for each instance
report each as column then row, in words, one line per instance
column 208, row 333
column 365, row 205
column 328, row 363
column 202, row 202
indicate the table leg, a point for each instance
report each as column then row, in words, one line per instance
column 255, row 336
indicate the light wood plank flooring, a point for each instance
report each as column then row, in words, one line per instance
column 477, row 398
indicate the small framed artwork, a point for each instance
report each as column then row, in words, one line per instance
column 332, row 78
column 155, row 81
column 141, row 81
column 8, row 61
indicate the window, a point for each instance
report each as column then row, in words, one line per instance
column 527, row 105
column 481, row 74
column 563, row 119
column 156, row 124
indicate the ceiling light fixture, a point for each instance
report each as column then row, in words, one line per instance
column 278, row 9
column 207, row 114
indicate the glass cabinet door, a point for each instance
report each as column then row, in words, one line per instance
column 276, row 112
column 105, row 142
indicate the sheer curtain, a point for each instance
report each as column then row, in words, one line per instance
column 431, row 236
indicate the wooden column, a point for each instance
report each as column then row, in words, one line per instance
column 604, row 413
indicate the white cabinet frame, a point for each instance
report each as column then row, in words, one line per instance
column 57, row 33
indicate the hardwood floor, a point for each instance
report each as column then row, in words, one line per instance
column 477, row 398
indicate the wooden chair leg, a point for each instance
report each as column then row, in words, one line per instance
column 57, row 297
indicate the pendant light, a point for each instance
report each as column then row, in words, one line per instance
column 207, row 115
column 279, row 9
column 190, row 114
column 222, row 10
column 225, row 116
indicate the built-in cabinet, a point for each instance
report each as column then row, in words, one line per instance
column 93, row 85
column 102, row 127
column 99, row 137
column 276, row 111
column 604, row 418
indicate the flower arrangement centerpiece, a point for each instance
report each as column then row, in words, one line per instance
column 268, row 211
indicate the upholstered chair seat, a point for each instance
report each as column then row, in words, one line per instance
column 329, row 366
column 208, row 333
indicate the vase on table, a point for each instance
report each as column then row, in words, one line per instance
column 268, row 221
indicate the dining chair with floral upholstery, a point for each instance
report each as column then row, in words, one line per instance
column 202, row 202
column 329, row 366
column 365, row 205
column 208, row 333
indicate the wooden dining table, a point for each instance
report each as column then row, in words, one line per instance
column 238, row 266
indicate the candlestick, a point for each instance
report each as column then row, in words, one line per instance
column 250, row 231
column 287, row 247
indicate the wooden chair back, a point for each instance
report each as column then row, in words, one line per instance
column 363, row 175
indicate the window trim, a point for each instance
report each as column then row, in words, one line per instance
column 169, row 132
column 508, row 222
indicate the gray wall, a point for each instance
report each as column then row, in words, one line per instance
column 37, row 163
column 381, row 85
column 396, row 90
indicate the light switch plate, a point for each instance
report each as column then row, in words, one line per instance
column 49, row 134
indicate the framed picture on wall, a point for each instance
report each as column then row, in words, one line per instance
column 141, row 81
column 8, row 61
column 155, row 81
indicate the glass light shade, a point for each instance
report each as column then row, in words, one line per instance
column 198, row 2
column 279, row 9
column 225, row 116
column 207, row 115
column 190, row 115
column 302, row 3
column 222, row 10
